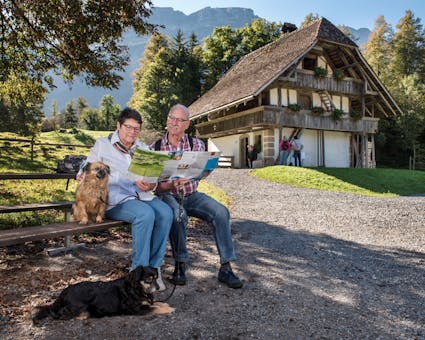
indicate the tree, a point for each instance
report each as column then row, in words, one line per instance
column 109, row 112
column 54, row 115
column 40, row 39
column 225, row 46
column 257, row 34
column 408, row 51
column 21, row 100
column 220, row 54
column 91, row 119
column 70, row 116
column 309, row 18
column 170, row 73
column 71, row 38
column 377, row 49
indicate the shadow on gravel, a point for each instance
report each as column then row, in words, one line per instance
column 297, row 285
column 327, row 287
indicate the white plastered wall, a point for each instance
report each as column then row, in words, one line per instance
column 309, row 151
column 337, row 149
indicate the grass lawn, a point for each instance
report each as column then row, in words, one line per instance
column 372, row 182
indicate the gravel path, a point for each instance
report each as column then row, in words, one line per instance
column 315, row 264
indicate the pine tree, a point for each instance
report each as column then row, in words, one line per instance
column 70, row 116
column 377, row 49
column 408, row 48
column 54, row 115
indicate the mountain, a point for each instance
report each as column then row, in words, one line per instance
column 201, row 23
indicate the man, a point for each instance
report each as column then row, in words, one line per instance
column 194, row 204
column 132, row 200
column 297, row 147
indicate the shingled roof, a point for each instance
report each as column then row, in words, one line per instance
column 255, row 71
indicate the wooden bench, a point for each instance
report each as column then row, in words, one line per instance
column 15, row 236
column 36, row 233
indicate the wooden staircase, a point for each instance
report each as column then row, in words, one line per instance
column 325, row 97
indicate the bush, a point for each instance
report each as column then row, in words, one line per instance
column 339, row 74
column 317, row 110
column 355, row 114
column 337, row 114
column 294, row 108
column 320, row 72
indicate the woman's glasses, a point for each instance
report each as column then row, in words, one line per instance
column 131, row 128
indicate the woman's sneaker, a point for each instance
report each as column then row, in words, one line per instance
column 158, row 285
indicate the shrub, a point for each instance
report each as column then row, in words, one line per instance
column 294, row 108
column 355, row 114
column 320, row 72
column 337, row 114
column 317, row 110
column 339, row 74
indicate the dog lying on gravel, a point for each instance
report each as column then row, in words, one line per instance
column 129, row 295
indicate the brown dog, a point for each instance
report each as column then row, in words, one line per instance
column 91, row 195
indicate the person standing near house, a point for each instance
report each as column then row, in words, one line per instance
column 297, row 146
column 184, row 199
column 251, row 155
column 284, row 150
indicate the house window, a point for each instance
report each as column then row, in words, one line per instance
column 309, row 63
column 274, row 96
column 292, row 96
column 284, row 96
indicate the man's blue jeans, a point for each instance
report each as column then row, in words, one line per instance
column 297, row 158
column 151, row 223
column 208, row 209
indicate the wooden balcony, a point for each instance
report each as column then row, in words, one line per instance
column 265, row 117
column 306, row 79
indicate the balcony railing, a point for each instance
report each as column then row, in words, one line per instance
column 271, row 116
column 308, row 80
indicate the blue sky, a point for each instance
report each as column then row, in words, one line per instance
column 356, row 14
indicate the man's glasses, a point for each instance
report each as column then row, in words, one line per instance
column 179, row 120
column 131, row 128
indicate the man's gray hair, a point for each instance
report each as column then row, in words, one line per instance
column 180, row 107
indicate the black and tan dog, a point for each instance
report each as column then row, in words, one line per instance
column 129, row 295
column 91, row 195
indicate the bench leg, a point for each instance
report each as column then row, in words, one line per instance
column 68, row 246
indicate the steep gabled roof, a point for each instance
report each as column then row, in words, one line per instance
column 253, row 72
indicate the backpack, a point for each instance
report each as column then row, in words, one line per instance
column 70, row 164
column 158, row 143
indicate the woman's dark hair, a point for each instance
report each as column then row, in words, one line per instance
column 128, row 113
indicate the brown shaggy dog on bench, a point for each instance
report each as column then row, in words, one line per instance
column 129, row 295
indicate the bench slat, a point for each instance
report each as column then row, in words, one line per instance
column 21, row 235
column 65, row 205
column 36, row 175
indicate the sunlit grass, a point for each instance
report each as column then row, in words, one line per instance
column 372, row 182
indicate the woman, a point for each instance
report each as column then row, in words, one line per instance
column 132, row 200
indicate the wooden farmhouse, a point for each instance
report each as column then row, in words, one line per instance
column 312, row 83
